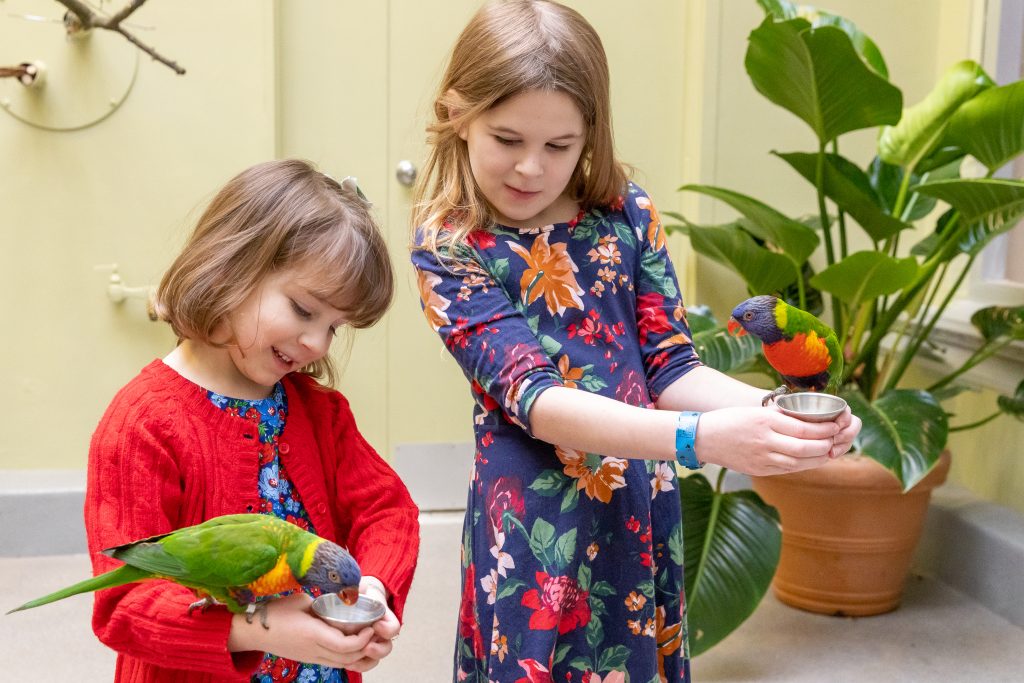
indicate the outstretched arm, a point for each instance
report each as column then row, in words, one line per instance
column 747, row 438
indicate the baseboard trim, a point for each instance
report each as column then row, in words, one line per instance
column 41, row 512
column 974, row 546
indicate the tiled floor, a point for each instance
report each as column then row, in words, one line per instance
column 937, row 635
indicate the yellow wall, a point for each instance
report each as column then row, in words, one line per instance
column 119, row 191
column 348, row 85
column 344, row 84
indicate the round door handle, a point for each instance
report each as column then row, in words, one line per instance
column 405, row 172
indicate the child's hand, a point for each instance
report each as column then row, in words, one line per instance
column 385, row 630
column 296, row 633
column 849, row 427
column 763, row 441
column 379, row 647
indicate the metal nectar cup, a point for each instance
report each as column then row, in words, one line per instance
column 349, row 619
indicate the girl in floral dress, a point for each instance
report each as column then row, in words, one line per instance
column 546, row 275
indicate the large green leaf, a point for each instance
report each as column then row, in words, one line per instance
column 988, row 206
column 782, row 10
column 990, row 126
column 923, row 125
column 731, row 549
column 722, row 351
column 796, row 240
column 850, row 188
column 926, row 247
column 700, row 322
column 998, row 324
column 866, row 275
column 1013, row 405
column 764, row 271
column 817, row 75
column 904, row 429
column 886, row 180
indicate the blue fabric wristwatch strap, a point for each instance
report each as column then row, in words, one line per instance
column 686, row 434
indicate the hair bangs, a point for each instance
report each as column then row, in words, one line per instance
column 349, row 269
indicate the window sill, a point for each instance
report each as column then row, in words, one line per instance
column 957, row 339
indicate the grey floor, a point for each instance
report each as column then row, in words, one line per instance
column 937, row 635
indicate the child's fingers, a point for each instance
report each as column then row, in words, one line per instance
column 387, row 627
column 801, row 448
column 802, row 429
column 362, row 665
column 378, row 649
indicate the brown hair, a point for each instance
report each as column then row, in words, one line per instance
column 509, row 48
column 276, row 215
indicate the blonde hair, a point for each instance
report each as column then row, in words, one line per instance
column 509, row 48
column 277, row 215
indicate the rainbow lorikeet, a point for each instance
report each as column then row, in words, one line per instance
column 232, row 559
column 804, row 350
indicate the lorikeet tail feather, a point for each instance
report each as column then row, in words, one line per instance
column 117, row 577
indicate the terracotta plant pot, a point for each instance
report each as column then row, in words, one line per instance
column 848, row 534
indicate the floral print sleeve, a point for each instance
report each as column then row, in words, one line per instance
column 664, row 333
column 471, row 312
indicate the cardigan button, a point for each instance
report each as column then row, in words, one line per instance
column 248, row 508
column 284, row 448
column 321, row 508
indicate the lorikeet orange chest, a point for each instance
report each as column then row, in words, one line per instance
column 802, row 361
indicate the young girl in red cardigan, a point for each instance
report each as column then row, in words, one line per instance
column 233, row 420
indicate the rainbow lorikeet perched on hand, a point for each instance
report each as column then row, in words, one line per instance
column 233, row 559
column 804, row 350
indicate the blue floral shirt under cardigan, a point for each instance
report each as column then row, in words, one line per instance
column 282, row 500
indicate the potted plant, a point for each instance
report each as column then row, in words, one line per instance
column 884, row 299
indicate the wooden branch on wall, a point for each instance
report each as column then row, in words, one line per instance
column 81, row 17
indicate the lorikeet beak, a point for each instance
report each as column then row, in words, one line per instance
column 735, row 329
column 349, row 595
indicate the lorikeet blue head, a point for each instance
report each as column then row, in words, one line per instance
column 757, row 317
column 333, row 570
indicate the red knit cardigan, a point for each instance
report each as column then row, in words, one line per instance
column 164, row 457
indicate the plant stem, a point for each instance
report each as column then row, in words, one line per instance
column 826, row 229
column 843, row 248
column 922, row 333
column 720, row 481
column 901, row 197
column 973, row 425
column 985, row 352
column 800, row 288
column 916, row 339
column 924, row 276
column 716, row 505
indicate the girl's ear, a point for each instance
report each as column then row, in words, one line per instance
column 456, row 107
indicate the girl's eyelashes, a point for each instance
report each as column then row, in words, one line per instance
column 300, row 311
column 509, row 142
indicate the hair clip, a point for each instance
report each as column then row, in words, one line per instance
column 349, row 184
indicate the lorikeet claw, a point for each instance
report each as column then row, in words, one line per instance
column 257, row 607
column 768, row 398
column 202, row 605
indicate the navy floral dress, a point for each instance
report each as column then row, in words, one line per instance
column 281, row 499
column 571, row 561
